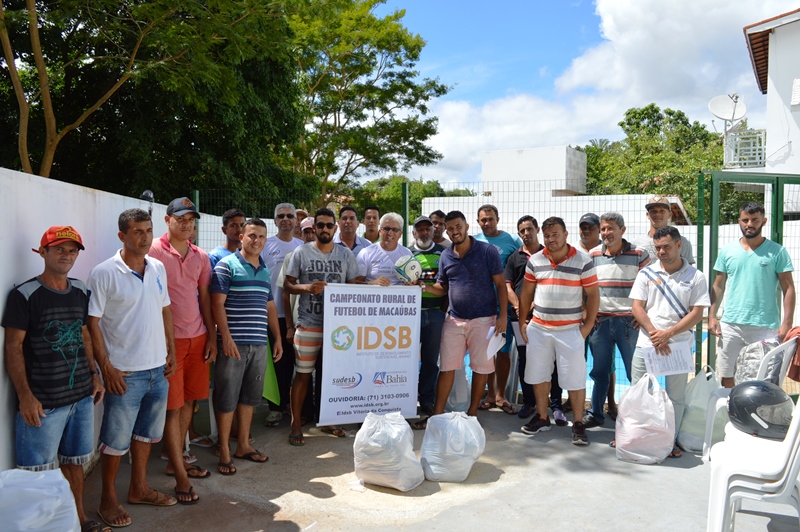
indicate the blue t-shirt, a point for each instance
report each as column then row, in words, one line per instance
column 469, row 279
column 216, row 254
column 248, row 292
column 752, row 286
column 504, row 243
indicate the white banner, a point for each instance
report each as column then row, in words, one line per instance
column 370, row 357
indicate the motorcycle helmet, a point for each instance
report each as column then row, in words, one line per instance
column 760, row 408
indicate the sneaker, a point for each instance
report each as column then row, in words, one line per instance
column 590, row 421
column 579, row 436
column 525, row 412
column 537, row 424
column 273, row 419
column 561, row 419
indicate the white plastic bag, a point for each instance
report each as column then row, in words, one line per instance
column 458, row 400
column 452, row 444
column 645, row 423
column 749, row 361
column 40, row 501
column 383, row 453
column 693, row 427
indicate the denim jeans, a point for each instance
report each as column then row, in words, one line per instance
column 610, row 332
column 66, row 435
column 430, row 337
column 139, row 413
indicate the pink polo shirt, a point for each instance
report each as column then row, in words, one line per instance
column 184, row 275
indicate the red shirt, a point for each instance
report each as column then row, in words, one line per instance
column 184, row 276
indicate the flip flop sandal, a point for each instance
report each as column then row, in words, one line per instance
column 193, row 468
column 422, row 424
column 203, row 441
column 251, row 457
column 157, row 499
column 508, row 409
column 297, row 440
column 231, row 469
column 486, row 405
column 339, row 432
column 93, row 526
column 120, row 511
column 189, row 494
column 187, row 458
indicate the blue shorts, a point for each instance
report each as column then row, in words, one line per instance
column 139, row 413
column 66, row 436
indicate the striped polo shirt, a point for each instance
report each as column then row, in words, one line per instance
column 557, row 302
column 615, row 276
column 248, row 290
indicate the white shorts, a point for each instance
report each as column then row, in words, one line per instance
column 732, row 340
column 564, row 348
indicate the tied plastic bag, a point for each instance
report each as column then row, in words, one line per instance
column 40, row 501
column 383, row 453
column 458, row 400
column 749, row 361
column 645, row 423
column 452, row 444
column 693, row 427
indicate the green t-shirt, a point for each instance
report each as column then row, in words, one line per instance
column 752, row 287
column 429, row 259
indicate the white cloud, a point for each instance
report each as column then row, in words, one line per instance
column 678, row 54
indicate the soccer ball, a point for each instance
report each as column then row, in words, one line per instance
column 408, row 269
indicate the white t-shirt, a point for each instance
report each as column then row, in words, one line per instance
column 273, row 254
column 129, row 308
column 374, row 262
column 669, row 297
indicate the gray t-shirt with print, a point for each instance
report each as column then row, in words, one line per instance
column 308, row 264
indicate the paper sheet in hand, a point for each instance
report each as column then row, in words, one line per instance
column 678, row 361
column 517, row 334
column 495, row 343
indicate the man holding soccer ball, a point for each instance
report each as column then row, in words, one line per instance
column 376, row 262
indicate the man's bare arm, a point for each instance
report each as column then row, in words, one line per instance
column 789, row 296
column 29, row 406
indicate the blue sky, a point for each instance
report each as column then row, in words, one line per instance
column 528, row 73
column 486, row 51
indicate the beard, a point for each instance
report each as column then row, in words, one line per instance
column 755, row 234
column 324, row 238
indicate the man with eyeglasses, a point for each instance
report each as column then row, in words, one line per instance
column 188, row 280
column 347, row 237
column 50, row 362
column 376, row 262
column 274, row 254
column 310, row 268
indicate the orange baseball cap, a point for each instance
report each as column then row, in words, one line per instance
column 58, row 234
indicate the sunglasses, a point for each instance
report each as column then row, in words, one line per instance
column 391, row 229
column 282, row 216
column 322, row 225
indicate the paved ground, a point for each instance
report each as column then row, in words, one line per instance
column 520, row 481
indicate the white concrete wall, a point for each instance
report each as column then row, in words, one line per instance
column 783, row 120
column 563, row 167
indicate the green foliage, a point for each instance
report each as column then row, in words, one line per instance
column 663, row 152
column 386, row 193
column 365, row 108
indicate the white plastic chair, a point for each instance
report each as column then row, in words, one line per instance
column 753, row 468
column 719, row 398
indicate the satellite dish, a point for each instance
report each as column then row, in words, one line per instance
column 728, row 107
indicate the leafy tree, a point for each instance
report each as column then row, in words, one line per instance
column 662, row 152
column 66, row 59
column 366, row 110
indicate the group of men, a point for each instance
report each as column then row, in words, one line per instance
column 151, row 319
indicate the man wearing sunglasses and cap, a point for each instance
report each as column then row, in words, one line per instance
column 659, row 212
column 50, row 362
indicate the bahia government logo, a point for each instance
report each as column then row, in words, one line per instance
column 347, row 383
column 379, row 378
column 342, row 338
